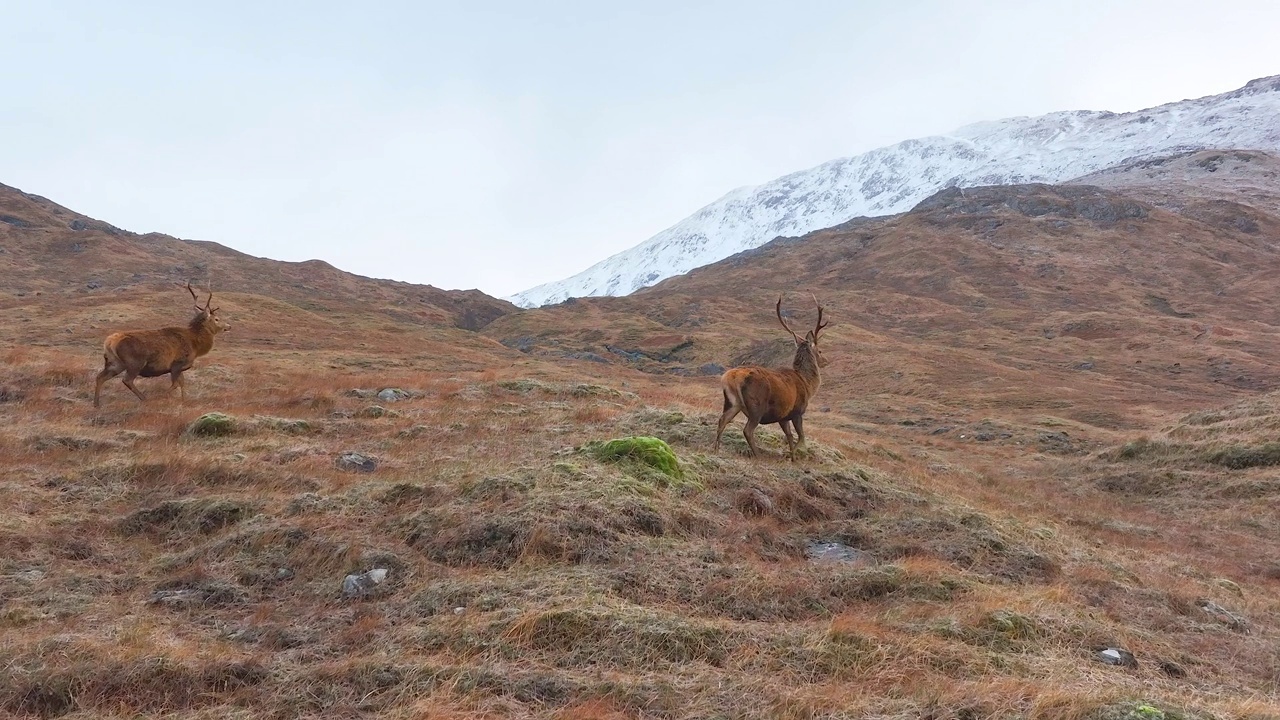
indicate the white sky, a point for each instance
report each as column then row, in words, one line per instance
column 500, row 145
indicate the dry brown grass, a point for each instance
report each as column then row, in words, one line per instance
column 1010, row 516
column 529, row 580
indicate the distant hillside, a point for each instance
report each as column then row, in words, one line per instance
column 1183, row 180
column 47, row 248
column 1051, row 148
column 994, row 292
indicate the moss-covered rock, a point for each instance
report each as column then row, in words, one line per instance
column 647, row 451
column 214, row 424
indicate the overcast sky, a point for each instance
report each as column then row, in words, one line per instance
column 503, row 144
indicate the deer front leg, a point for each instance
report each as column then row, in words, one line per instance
column 791, row 441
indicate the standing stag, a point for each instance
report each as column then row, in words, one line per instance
column 167, row 351
column 781, row 395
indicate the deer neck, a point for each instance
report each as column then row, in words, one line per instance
column 806, row 366
column 201, row 335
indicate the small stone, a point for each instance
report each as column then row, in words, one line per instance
column 284, row 573
column 392, row 394
column 1117, row 656
column 1224, row 616
column 359, row 585
column 29, row 576
column 355, row 462
column 459, row 610
column 834, row 552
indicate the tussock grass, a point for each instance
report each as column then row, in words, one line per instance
column 648, row 452
column 161, row 574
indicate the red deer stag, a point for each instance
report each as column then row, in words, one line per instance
column 778, row 395
column 167, row 351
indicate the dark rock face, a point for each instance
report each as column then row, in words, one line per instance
column 1036, row 200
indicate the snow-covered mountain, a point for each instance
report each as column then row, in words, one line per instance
column 1051, row 148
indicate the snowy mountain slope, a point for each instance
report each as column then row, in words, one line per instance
column 1050, row 148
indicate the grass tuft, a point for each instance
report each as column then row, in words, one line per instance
column 214, row 424
column 647, row 451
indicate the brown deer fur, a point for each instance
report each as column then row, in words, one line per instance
column 167, row 351
column 775, row 395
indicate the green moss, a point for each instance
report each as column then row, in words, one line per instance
column 1241, row 457
column 291, row 426
column 1143, row 711
column 523, row 386
column 1001, row 630
column 588, row 390
column 205, row 515
column 214, row 424
column 1141, row 448
column 648, row 451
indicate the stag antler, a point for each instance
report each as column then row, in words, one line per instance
column 819, row 327
column 196, row 298
column 784, row 322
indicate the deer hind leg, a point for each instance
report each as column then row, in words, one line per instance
column 731, row 411
column 749, row 432
column 129, row 375
column 109, row 371
column 798, row 421
column 791, row 441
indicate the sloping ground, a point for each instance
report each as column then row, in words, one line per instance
column 46, row 248
column 149, row 569
column 1197, row 180
column 1025, row 300
column 987, row 502
column 1208, row 462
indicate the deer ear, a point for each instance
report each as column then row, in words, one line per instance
column 809, row 338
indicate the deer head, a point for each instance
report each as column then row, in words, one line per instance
column 809, row 344
column 206, row 315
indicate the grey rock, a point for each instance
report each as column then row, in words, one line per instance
column 29, row 576
column 359, row 585
column 834, row 552
column 1224, row 616
column 1118, row 657
column 284, row 573
column 393, row 394
column 523, row 344
column 356, row 462
column 208, row 593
